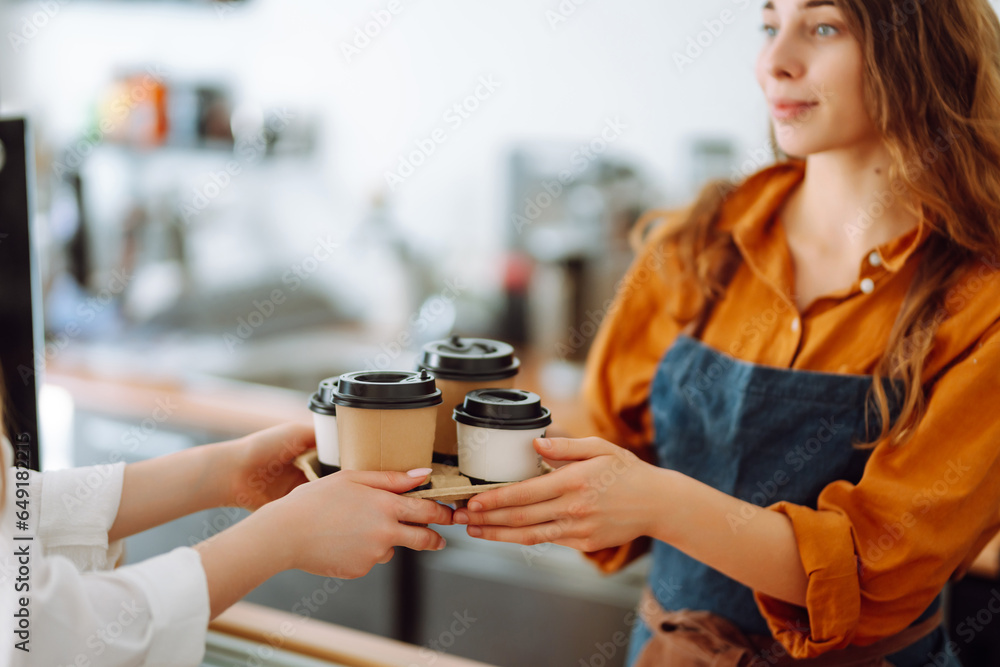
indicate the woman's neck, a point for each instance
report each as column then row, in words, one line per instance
column 847, row 203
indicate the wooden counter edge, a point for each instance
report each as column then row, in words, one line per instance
column 325, row 641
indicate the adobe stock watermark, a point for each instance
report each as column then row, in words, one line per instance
column 698, row 44
column 901, row 14
column 118, row 112
column 444, row 641
column 605, row 652
column 294, row 278
column 32, row 24
column 972, row 625
column 418, row 322
column 366, row 33
column 579, row 161
column 86, row 312
column 647, row 268
column 563, row 12
column 796, row 459
column 263, row 653
column 256, row 481
column 249, row 150
column 453, row 118
column 885, row 199
column 920, row 504
column 97, row 476
column 596, row 487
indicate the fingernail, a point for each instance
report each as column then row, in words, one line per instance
column 475, row 531
column 475, row 506
column 461, row 516
column 545, row 443
column 441, row 545
column 419, row 472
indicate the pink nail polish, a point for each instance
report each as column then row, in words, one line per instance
column 418, row 473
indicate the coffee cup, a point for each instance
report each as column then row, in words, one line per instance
column 461, row 365
column 496, row 429
column 386, row 419
column 325, row 422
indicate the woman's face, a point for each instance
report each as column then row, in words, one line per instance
column 811, row 71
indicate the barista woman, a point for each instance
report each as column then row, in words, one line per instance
column 810, row 359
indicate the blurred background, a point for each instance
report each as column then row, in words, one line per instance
column 235, row 200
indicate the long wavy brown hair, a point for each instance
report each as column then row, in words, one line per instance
column 931, row 69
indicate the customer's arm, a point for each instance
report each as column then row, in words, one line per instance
column 339, row 526
column 156, row 612
column 248, row 472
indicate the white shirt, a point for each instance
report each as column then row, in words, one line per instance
column 80, row 611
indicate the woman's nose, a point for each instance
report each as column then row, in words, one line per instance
column 782, row 59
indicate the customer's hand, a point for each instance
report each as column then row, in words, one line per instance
column 261, row 468
column 343, row 524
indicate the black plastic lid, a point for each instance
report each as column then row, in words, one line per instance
column 387, row 390
column 510, row 409
column 322, row 401
column 469, row 359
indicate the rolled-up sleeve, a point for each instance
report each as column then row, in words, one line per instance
column 78, row 506
column 877, row 553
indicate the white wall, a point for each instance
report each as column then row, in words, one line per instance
column 607, row 59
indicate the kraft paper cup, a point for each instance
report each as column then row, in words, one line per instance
column 496, row 431
column 461, row 365
column 325, row 422
column 386, row 420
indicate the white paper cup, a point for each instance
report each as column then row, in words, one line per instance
column 494, row 455
column 327, row 442
column 325, row 424
column 496, row 430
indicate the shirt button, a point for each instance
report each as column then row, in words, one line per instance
column 796, row 325
column 867, row 285
column 875, row 259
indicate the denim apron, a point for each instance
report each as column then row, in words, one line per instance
column 761, row 434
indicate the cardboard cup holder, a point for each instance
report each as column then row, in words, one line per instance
column 448, row 485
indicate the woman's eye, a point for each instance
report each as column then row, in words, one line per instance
column 826, row 30
column 768, row 30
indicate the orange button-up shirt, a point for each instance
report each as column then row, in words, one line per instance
column 921, row 512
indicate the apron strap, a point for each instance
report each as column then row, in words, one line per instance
column 689, row 638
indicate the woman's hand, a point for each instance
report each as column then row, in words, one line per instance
column 261, row 466
column 343, row 524
column 600, row 500
column 339, row 526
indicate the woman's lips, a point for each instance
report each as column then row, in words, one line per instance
column 790, row 111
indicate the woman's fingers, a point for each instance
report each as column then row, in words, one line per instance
column 418, row 539
column 553, row 531
column 413, row 510
column 527, row 515
column 386, row 557
column 396, row 482
column 535, row 490
column 574, row 449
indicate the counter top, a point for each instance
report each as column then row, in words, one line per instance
column 325, row 641
column 235, row 407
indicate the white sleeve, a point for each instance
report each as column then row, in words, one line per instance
column 77, row 508
column 152, row 613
